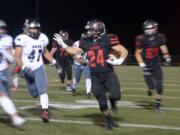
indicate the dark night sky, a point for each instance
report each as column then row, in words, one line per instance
column 123, row 17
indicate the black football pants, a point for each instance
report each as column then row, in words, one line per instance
column 66, row 71
column 154, row 79
column 103, row 83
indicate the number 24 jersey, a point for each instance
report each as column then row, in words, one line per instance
column 32, row 49
column 98, row 51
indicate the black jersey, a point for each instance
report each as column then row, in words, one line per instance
column 98, row 51
column 61, row 55
column 150, row 48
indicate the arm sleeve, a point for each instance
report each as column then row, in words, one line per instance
column 114, row 40
column 19, row 41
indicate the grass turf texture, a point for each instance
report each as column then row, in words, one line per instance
column 89, row 120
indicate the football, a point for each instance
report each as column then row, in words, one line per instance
column 113, row 55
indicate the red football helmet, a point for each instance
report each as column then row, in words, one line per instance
column 95, row 29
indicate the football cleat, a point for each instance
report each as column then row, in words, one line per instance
column 18, row 121
column 45, row 115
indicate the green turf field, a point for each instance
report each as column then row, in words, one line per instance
column 81, row 116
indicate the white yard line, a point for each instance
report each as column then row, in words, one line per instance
column 120, row 124
column 82, row 104
column 124, row 88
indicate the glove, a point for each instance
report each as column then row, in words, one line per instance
column 114, row 61
column 15, row 70
column 53, row 62
column 167, row 61
column 57, row 37
column 25, row 71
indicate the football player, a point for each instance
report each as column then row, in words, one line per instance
column 6, row 57
column 148, row 46
column 81, row 64
column 30, row 46
column 63, row 59
column 98, row 46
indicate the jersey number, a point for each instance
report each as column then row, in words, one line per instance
column 96, row 58
column 31, row 56
column 152, row 52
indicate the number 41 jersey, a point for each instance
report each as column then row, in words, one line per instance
column 32, row 49
column 98, row 51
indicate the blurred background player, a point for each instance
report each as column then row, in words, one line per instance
column 81, row 64
column 98, row 46
column 30, row 46
column 64, row 60
column 148, row 46
column 6, row 57
column 9, row 46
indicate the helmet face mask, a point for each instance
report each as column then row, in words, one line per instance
column 95, row 29
column 64, row 34
column 150, row 27
column 32, row 28
column 3, row 27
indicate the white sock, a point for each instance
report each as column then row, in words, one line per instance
column 7, row 105
column 74, row 83
column 15, row 82
column 44, row 100
column 88, row 85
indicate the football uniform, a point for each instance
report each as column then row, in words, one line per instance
column 150, row 55
column 64, row 60
column 102, row 74
column 6, row 42
column 78, row 68
column 32, row 50
column 32, row 58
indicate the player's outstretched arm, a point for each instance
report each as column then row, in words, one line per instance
column 70, row 50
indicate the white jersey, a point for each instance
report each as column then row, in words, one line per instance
column 32, row 49
column 6, row 42
column 80, row 55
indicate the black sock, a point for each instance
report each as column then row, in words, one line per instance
column 158, row 103
column 109, row 121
